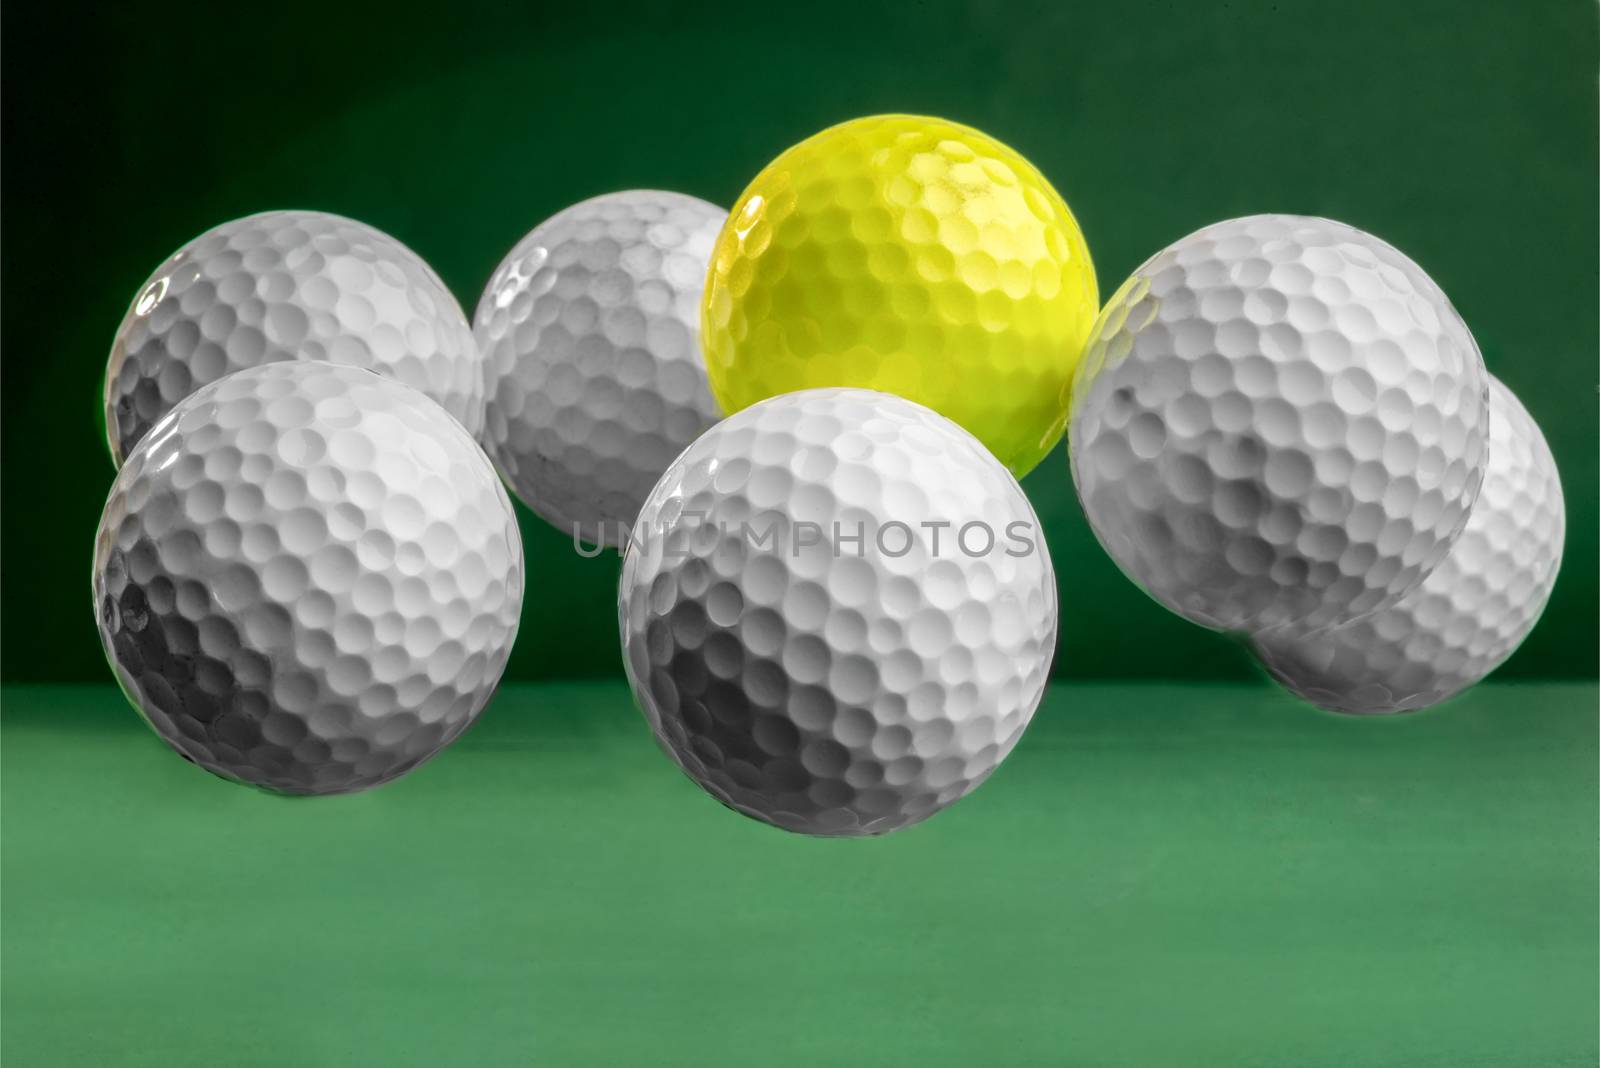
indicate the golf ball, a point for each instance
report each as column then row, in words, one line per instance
column 1469, row 614
column 1280, row 421
column 590, row 332
column 837, row 612
column 910, row 255
column 287, row 285
column 308, row 577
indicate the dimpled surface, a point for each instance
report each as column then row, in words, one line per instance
column 308, row 577
column 1469, row 614
column 1279, row 421
column 910, row 255
column 825, row 685
column 286, row 285
column 590, row 331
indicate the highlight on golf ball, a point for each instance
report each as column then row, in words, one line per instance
column 1280, row 422
column 1469, row 614
column 838, row 612
column 802, row 424
column 590, row 334
column 308, row 578
column 287, row 285
column 911, row 255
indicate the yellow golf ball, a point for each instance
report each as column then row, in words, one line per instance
column 910, row 255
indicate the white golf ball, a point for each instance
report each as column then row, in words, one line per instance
column 287, row 285
column 590, row 330
column 308, row 578
column 1279, row 421
column 1469, row 614
column 837, row 612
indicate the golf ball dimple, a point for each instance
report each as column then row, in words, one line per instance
column 287, row 285
column 307, row 577
column 590, row 331
column 910, row 255
column 837, row 612
column 1279, row 421
column 1469, row 614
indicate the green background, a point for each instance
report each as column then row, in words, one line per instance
column 1463, row 133
column 1173, row 876
column 1188, row 869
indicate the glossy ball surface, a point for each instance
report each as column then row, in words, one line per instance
column 910, row 255
column 823, row 684
column 1279, row 422
column 287, row 285
column 590, row 332
column 1469, row 614
column 308, row 578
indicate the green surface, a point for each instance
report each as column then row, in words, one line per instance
column 1160, row 875
column 1464, row 133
